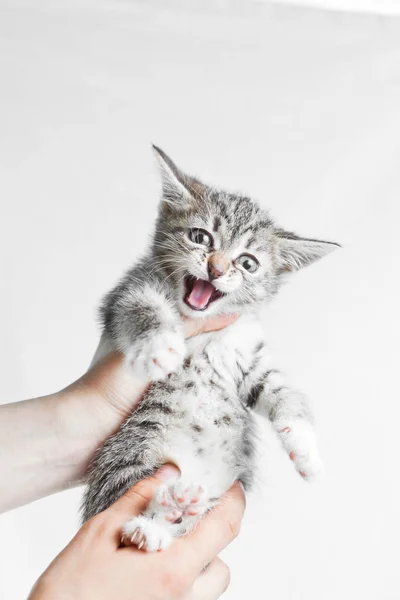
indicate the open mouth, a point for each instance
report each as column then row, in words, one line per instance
column 199, row 294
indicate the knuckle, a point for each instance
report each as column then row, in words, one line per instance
column 87, row 527
column 235, row 524
column 225, row 575
column 175, row 584
column 98, row 523
column 140, row 491
column 95, row 527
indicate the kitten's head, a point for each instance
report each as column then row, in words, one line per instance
column 220, row 251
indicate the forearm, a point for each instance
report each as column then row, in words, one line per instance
column 38, row 454
column 46, row 444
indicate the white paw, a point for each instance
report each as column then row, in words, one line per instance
column 179, row 500
column 299, row 441
column 157, row 356
column 146, row 534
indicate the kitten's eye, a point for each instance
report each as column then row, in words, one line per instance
column 200, row 236
column 249, row 263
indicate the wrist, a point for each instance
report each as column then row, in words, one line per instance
column 78, row 433
column 94, row 407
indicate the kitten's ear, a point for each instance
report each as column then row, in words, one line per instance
column 179, row 190
column 295, row 252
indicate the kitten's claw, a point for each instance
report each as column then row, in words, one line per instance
column 158, row 356
column 146, row 534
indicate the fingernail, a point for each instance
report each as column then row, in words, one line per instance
column 168, row 472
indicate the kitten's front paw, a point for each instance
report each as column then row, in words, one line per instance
column 146, row 534
column 299, row 441
column 157, row 356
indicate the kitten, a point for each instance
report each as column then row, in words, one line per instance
column 212, row 252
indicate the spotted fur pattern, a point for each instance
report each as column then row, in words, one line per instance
column 198, row 412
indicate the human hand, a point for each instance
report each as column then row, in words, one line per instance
column 49, row 442
column 95, row 566
column 109, row 382
column 107, row 394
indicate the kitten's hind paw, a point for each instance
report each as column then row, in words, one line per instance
column 191, row 498
column 298, row 439
column 173, row 511
column 146, row 534
column 157, row 356
column 309, row 465
column 185, row 499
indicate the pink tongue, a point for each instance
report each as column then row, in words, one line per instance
column 200, row 294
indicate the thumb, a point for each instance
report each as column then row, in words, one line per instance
column 135, row 500
column 196, row 326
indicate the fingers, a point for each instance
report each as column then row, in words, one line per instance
column 213, row 533
column 109, row 380
column 196, row 326
column 212, row 583
column 135, row 500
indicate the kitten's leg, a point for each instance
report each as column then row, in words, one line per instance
column 174, row 510
column 130, row 455
column 291, row 418
column 142, row 322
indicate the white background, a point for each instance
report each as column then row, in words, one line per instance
column 298, row 107
column 388, row 7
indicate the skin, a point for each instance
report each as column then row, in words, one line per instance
column 46, row 446
column 94, row 566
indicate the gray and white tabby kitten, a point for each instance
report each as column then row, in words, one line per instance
column 212, row 253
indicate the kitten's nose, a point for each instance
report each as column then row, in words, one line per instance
column 218, row 265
